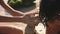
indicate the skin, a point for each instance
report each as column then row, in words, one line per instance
column 53, row 26
column 9, row 9
column 49, row 11
column 10, row 30
column 15, row 12
column 18, row 16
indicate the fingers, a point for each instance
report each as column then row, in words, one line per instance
column 31, row 20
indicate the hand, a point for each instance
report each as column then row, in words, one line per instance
column 32, row 12
column 31, row 20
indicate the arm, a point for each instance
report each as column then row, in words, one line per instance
column 10, row 19
column 9, row 9
column 29, row 20
column 33, row 12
